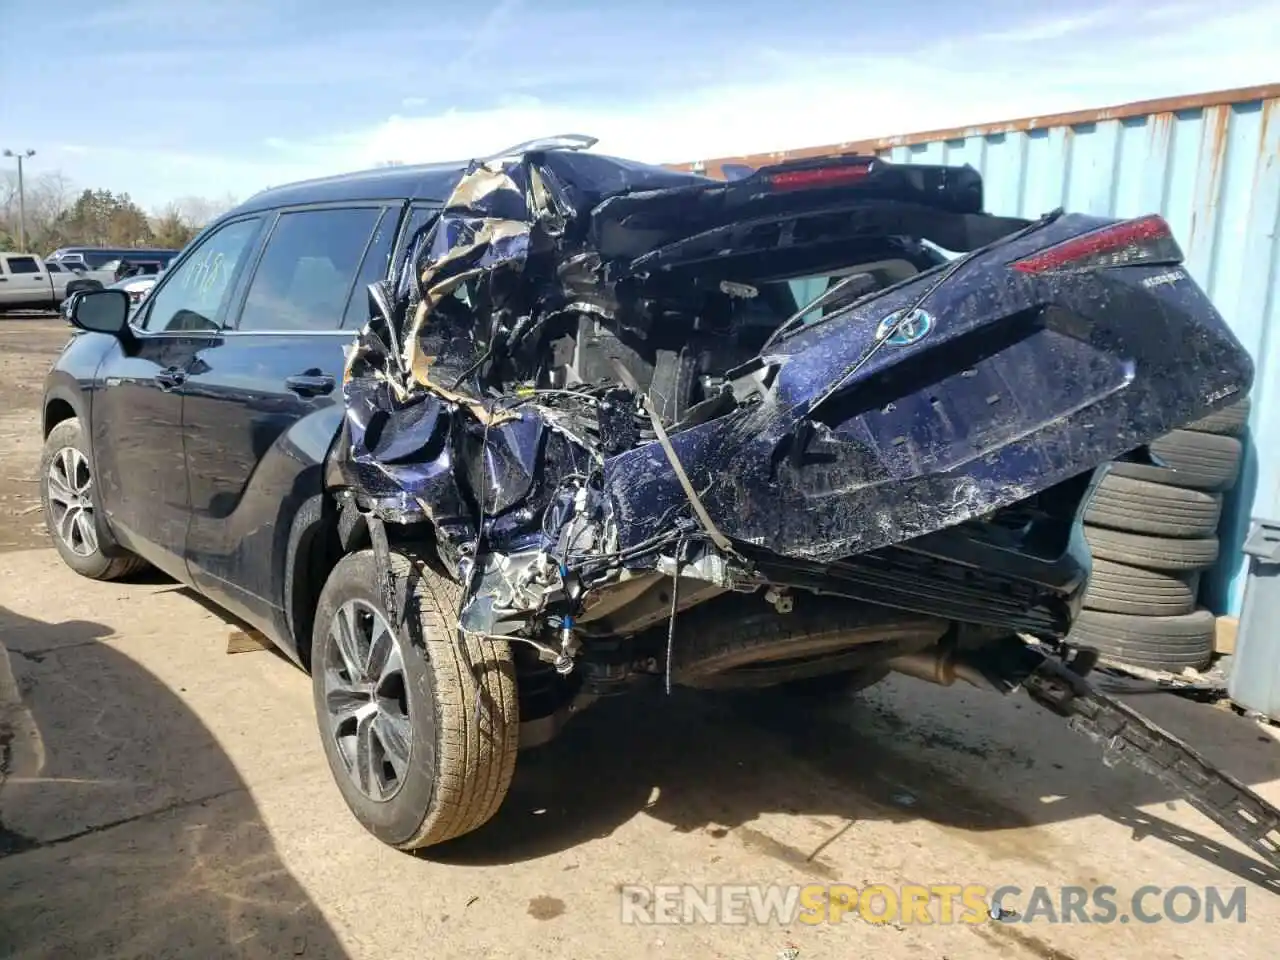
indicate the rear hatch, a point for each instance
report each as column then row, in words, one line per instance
column 1054, row 347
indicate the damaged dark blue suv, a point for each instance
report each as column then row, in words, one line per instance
column 478, row 443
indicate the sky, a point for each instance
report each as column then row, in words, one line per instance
column 170, row 98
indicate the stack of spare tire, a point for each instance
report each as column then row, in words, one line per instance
column 1153, row 530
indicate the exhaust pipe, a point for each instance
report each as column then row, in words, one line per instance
column 942, row 666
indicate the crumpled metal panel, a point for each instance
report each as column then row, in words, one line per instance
column 476, row 283
column 1210, row 164
column 459, row 414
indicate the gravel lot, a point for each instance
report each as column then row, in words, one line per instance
column 29, row 343
column 161, row 797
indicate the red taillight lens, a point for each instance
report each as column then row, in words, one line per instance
column 1145, row 241
column 818, row 177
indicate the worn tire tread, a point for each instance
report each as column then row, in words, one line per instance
column 1140, row 506
column 1152, row 553
column 1119, row 588
column 708, row 645
column 1198, row 461
column 1169, row 643
column 474, row 768
column 1228, row 422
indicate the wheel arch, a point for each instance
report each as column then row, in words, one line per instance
column 58, row 407
column 327, row 528
column 314, row 549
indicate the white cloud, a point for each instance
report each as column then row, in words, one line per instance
column 800, row 101
column 777, row 97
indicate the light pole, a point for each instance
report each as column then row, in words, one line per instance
column 21, row 155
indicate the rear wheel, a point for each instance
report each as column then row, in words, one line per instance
column 820, row 645
column 833, row 686
column 71, row 514
column 420, row 727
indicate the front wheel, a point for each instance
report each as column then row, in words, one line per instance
column 70, row 504
column 419, row 726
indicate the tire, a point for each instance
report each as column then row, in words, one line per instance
column 461, row 733
column 1228, row 422
column 1157, row 643
column 1116, row 588
column 1139, row 506
column 1199, row 461
column 1152, row 553
column 836, row 686
column 71, row 512
column 763, row 648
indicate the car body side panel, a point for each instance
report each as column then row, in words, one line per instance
column 137, row 437
column 71, row 378
column 68, row 391
column 255, row 453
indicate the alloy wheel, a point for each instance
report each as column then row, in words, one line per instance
column 366, row 699
column 70, row 489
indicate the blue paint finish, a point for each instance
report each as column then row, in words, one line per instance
column 1214, row 174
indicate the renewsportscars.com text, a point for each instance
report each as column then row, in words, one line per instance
column 939, row 903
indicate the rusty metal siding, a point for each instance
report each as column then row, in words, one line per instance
column 1211, row 166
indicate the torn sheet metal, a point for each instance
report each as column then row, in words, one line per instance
column 585, row 368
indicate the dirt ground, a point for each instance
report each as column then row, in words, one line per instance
column 29, row 343
column 160, row 797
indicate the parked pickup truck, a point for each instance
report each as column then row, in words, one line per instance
column 28, row 282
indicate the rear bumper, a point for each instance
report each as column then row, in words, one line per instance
column 973, row 573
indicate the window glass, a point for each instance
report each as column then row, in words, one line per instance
column 419, row 219
column 306, row 273
column 52, row 267
column 377, row 260
column 96, row 261
column 194, row 296
column 23, row 265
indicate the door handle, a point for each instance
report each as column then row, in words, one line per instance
column 310, row 384
column 168, row 379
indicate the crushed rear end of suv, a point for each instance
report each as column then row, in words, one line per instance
column 612, row 425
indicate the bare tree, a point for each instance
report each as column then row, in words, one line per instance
column 47, row 200
column 198, row 211
column 57, row 214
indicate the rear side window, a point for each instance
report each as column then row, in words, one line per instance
column 306, row 273
column 23, row 265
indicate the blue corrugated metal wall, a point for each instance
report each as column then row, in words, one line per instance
column 1214, row 174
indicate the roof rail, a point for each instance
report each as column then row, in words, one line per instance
column 563, row 141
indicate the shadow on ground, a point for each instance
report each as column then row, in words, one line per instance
column 124, row 828
column 717, row 763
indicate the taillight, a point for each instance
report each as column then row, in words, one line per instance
column 1146, row 241
column 816, row 177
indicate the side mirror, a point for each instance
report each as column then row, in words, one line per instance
column 101, row 311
